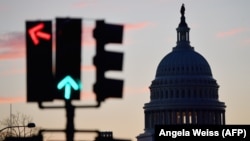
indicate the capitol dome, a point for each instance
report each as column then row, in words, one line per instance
column 184, row 90
column 184, row 67
column 183, row 62
column 184, row 73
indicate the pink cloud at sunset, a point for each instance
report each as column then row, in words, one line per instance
column 89, row 95
column 87, row 37
column 4, row 8
column 230, row 32
column 11, row 55
column 88, row 67
column 78, row 5
column 12, row 99
column 246, row 42
column 85, row 95
column 12, row 45
column 136, row 26
column 139, row 90
column 13, row 71
column 18, row 99
column 89, row 41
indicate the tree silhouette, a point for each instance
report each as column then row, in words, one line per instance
column 17, row 120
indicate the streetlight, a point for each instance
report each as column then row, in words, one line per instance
column 29, row 125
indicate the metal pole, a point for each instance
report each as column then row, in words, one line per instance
column 70, row 113
column 11, row 119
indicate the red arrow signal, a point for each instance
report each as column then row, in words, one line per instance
column 36, row 33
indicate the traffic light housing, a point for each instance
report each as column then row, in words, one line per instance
column 68, row 56
column 40, row 82
column 107, row 60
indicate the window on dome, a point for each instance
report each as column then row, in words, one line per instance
column 166, row 95
column 189, row 93
column 177, row 93
column 195, row 94
column 171, row 93
column 182, row 93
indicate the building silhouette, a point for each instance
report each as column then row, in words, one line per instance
column 184, row 90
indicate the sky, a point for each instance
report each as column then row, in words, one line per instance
column 220, row 31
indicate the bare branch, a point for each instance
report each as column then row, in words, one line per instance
column 17, row 120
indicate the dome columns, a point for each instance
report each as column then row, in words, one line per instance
column 183, row 34
column 189, row 116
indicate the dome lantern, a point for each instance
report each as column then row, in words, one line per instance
column 183, row 29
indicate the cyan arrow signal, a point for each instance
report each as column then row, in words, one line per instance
column 67, row 82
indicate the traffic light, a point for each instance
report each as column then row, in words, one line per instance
column 40, row 84
column 68, row 58
column 107, row 60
